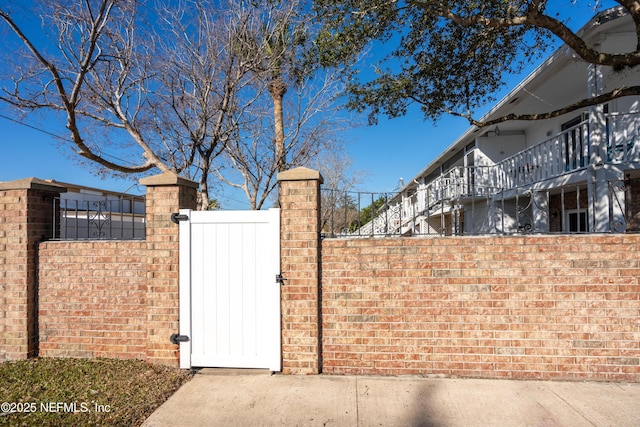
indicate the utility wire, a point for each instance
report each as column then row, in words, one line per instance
column 11, row 119
column 46, row 132
column 227, row 198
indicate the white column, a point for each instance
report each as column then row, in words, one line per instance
column 598, row 191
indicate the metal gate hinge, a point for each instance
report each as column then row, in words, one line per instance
column 280, row 279
column 177, row 338
column 176, row 217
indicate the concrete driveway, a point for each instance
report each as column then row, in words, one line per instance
column 255, row 398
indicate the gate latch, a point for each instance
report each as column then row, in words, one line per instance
column 280, row 279
column 176, row 217
column 177, row 338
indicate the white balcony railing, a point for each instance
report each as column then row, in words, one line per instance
column 384, row 223
column 623, row 138
column 567, row 152
column 561, row 154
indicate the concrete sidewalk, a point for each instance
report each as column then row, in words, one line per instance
column 246, row 398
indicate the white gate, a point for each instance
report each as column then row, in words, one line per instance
column 229, row 295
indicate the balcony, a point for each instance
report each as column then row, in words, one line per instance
column 423, row 208
column 564, row 153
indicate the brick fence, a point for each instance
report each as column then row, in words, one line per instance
column 540, row 307
column 560, row 307
column 300, row 265
column 563, row 307
column 92, row 299
column 25, row 219
column 89, row 298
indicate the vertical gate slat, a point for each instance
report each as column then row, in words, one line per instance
column 223, row 298
column 249, row 289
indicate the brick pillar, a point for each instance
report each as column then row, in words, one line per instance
column 300, row 256
column 26, row 218
column 166, row 194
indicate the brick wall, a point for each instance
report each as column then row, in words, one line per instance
column 535, row 307
column 166, row 194
column 92, row 299
column 538, row 307
column 25, row 213
column 299, row 247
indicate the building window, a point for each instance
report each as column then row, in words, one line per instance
column 576, row 221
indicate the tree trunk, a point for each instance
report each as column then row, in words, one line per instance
column 277, row 89
column 203, row 192
column 203, row 196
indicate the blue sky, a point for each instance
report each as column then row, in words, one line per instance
column 393, row 149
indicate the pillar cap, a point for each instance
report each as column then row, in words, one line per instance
column 300, row 174
column 32, row 184
column 167, row 179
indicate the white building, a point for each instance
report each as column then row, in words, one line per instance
column 575, row 173
column 86, row 213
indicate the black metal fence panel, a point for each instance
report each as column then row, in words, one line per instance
column 480, row 211
column 121, row 218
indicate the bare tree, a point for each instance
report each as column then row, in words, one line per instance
column 300, row 126
column 313, row 129
column 338, row 206
column 165, row 87
column 206, row 88
column 94, row 42
column 172, row 89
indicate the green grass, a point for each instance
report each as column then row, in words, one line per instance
column 102, row 391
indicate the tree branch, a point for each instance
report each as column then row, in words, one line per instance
column 69, row 104
column 534, row 18
column 588, row 102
